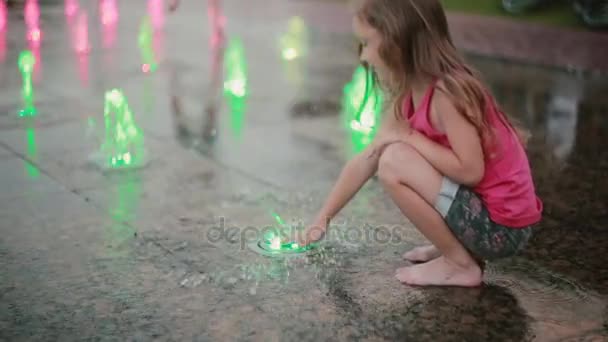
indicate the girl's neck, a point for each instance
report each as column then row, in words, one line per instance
column 421, row 85
column 418, row 90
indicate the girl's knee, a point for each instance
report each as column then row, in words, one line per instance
column 395, row 161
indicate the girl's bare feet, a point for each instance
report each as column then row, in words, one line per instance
column 441, row 272
column 422, row 254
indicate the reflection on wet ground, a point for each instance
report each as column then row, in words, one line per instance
column 242, row 120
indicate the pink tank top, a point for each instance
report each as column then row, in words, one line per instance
column 507, row 189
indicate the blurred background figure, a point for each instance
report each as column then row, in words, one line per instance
column 593, row 12
column 212, row 100
column 173, row 4
column 562, row 116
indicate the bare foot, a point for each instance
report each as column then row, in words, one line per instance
column 422, row 254
column 440, row 272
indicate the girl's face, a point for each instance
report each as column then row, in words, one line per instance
column 370, row 40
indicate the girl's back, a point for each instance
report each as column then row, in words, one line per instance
column 507, row 188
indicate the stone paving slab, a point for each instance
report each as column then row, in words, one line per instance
column 35, row 140
column 106, row 273
column 5, row 152
column 21, row 178
column 98, row 296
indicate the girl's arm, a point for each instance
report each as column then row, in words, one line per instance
column 354, row 175
column 464, row 163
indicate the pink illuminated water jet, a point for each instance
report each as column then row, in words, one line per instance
column 71, row 8
column 32, row 22
column 3, row 16
column 109, row 20
column 83, row 69
column 156, row 10
column 81, row 34
column 109, row 12
column 2, row 46
column 217, row 21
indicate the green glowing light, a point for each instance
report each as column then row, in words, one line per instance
column 294, row 42
column 280, row 233
column 362, row 101
column 235, row 64
column 124, row 141
column 275, row 241
column 26, row 66
column 32, row 153
column 293, row 48
column 362, row 105
column 237, row 106
column 122, row 208
column 359, row 141
column 236, row 84
column 278, row 219
column 146, row 45
column 290, row 54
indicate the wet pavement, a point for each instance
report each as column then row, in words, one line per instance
column 161, row 252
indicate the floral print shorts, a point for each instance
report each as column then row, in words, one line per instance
column 470, row 222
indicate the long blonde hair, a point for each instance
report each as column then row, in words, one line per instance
column 417, row 46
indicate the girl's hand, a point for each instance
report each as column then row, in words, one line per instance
column 311, row 234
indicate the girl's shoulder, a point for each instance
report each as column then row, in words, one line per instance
column 440, row 105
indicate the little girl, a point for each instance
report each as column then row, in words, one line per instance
column 447, row 156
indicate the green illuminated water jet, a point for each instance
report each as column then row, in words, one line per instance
column 293, row 48
column 235, row 69
column 26, row 66
column 362, row 105
column 146, row 45
column 123, row 146
column 294, row 42
column 278, row 241
column 362, row 101
column 237, row 106
column 236, row 86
